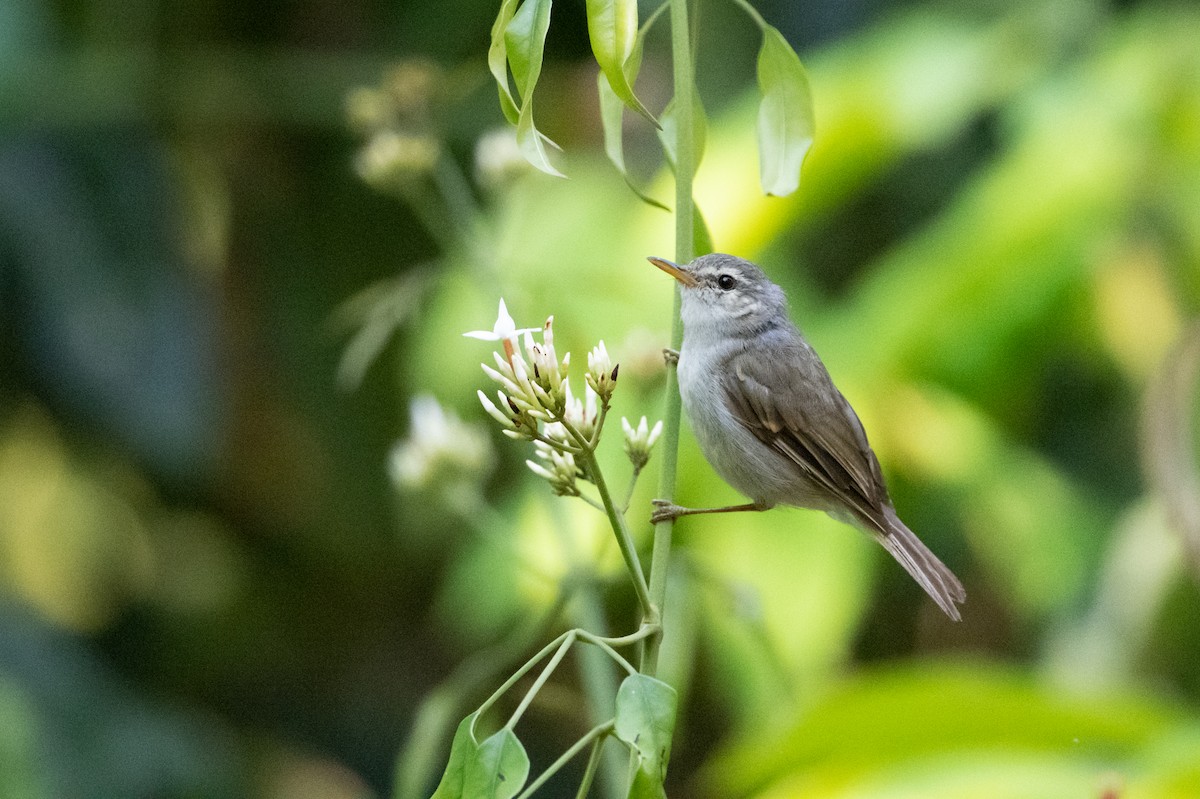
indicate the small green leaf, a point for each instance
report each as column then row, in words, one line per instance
column 785, row 118
column 525, row 40
column 463, row 750
column 532, row 143
column 498, row 59
column 667, row 134
column 613, row 30
column 612, row 112
column 645, row 721
column 498, row 768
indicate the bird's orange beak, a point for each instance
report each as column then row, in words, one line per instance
column 674, row 270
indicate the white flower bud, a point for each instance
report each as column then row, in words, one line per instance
column 602, row 374
column 640, row 440
column 557, row 467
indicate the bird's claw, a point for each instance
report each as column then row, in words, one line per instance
column 670, row 356
column 665, row 511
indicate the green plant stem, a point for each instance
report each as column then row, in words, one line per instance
column 597, row 679
column 599, row 683
column 589, row 773
column 440, row 710
column 752, row 12
column 595, row 439
column 633, row 478
column 594, row 734
column 563, row 648
column 624, row 540
column 612, row 653
column 617, row 520
column 521, row 672
column 685, row 167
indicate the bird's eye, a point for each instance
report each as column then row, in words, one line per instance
column 726, row 282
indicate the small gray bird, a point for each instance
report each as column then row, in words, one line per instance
column 770, row 420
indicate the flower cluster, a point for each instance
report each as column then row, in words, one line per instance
column 440, row 450
column 533, row 386
column 535, row 402
column 396, row 119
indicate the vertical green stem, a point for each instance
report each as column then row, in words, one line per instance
column 685, row 213
column 624, row 539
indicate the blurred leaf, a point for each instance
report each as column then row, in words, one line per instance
column 646, row 721
column 1168, row 449
column 21, row 770
column 667, row 133
column 869, row 724
column 988, row 775
column 613, row 30
column 498, row 59
column 612, row 115
column 785, row 117
column 497, row 769
column 462, row 750
column 525, row 39
column 375, row 314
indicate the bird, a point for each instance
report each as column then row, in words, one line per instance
column 770, row 421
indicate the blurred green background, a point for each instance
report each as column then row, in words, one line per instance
column 238, row 240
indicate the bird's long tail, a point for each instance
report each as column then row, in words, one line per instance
column 916, row 558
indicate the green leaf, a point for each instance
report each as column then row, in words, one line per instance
column 498, row 768
column 785, row 117
column 498, row 59
column 525, row 39
column 532, row 143
column 463, row 750
column 865, row 727
column 611, row 120
column 613, row 30
column 645, row 721
column 667, row 133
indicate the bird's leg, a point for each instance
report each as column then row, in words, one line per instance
column 665, row 510
column 670, row 356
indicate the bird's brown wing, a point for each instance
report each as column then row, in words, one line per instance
column 790, row 404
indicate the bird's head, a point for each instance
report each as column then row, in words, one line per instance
column 725, row 295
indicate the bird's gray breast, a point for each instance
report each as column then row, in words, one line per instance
column 734, row 451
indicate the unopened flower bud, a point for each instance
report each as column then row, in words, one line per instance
column 602, row 373
column 557, row 467
column 640, row 440
column 582, row 414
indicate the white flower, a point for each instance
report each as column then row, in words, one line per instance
column 505, row 328
column 440, row 448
